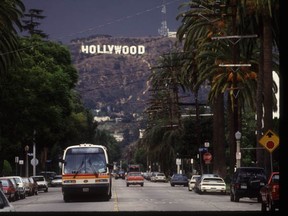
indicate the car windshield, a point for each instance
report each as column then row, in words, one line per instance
column 134, row 174
column 39, row 178
column 213, row 180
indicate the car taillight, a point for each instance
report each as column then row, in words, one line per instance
column 275, row 188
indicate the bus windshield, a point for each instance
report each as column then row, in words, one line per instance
column 85, row 160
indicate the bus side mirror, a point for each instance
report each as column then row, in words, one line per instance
column 61, row 161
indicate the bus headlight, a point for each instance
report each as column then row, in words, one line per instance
column 69, row 181
column 101, row 180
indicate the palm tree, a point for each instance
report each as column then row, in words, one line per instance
column 10, row 13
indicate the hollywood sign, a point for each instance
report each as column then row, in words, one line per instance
column 113, row 49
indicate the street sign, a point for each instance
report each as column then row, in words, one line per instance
column 34, row 161
column 270, row 141
column 202, row 149
column 207, row 157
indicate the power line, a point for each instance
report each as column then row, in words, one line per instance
column 97, row 27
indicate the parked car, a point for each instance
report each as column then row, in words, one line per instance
column 41, row 182
column 270, row 193
column 56, row 181
column 134, row 178
column 179, row 179
column 158, row 177
column 192, row 181
column 18, row 181
column 208, row 184
column 246, row 182
column 9, row 189
column 5, row 205
column 28, row 186
column 34, row 186
column 17, row 194
column 48, row 175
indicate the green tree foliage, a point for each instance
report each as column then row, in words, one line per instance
column 11, row 12
column 37, row 95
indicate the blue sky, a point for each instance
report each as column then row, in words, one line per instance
column 69, row 19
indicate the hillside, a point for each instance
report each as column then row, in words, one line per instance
column 115, row 84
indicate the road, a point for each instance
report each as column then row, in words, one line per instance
column 152, row 197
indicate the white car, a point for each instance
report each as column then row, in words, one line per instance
column 41, row 182
column 5, row 205
column 56, row 181
column 208, row 184
column 158, row 177
column 192, row 181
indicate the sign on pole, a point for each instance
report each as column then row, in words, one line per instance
column 270, row 141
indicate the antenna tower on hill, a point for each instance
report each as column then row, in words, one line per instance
column 163, row 30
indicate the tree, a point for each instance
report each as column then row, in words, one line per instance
column 31, row 24
column 11, row 12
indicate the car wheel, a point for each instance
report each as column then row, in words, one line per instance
column 142, row 185
column 237, row 198
column 66, row 198
column 127, row 185
column 232, row 197
column 263, row 207
column 271, row 206
column 259, row 199
column 46, row 190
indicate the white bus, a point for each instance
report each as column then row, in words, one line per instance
column 86, row 171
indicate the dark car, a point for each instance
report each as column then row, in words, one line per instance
column 120, row 174
column 179, row 179
column 247, row 182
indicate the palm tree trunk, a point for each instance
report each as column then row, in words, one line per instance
column 219, row 161
column 268, row 79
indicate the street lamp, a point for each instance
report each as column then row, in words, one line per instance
column 238, row 152
column 26, row 150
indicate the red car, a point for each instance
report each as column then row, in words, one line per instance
column 134, row 178
column 270, row 193
column 8, row 189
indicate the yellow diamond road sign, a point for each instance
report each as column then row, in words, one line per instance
column 270, row 141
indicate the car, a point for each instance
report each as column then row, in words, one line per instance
column 179, row 179
column 158, row 177
column 18, row 181
column 247, row 182
column 48, row 175
column 192, row 181
column 56, row 181
column 270, row 193
column 9, row 189
column 34, row 186
column 208, row 184
column 28, row 186
column 134, row 178
column 41, row 182
column 120, row 174
column 5, row 205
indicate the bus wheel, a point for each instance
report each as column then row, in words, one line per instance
column 66, row 198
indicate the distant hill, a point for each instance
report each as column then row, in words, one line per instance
column 117, row 82
column 114, row 84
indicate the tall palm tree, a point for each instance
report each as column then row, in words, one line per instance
column 11, row 12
